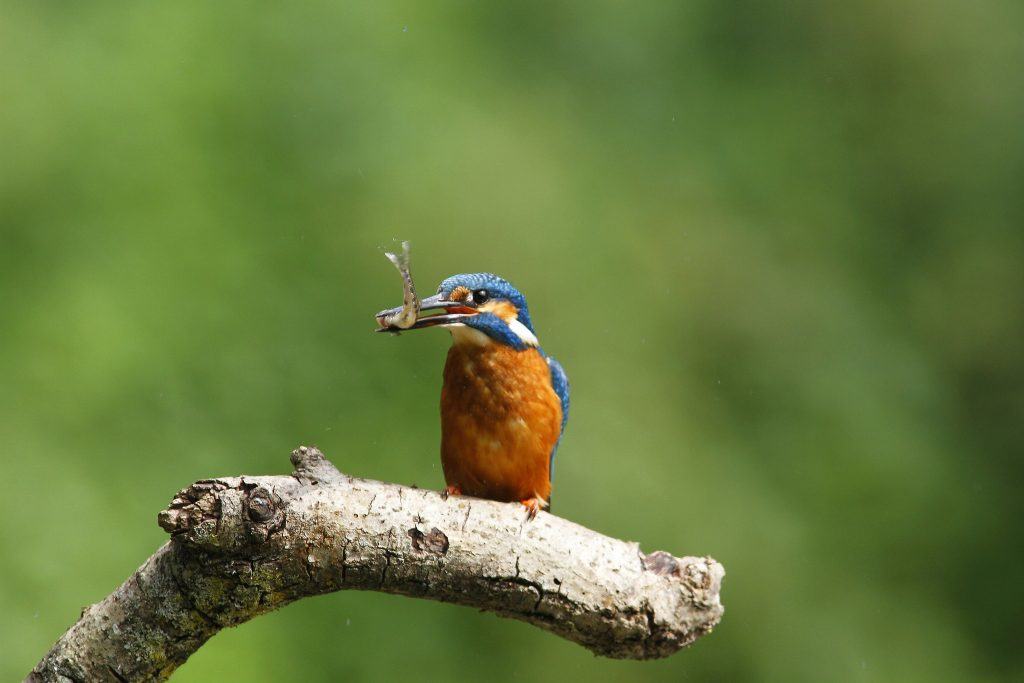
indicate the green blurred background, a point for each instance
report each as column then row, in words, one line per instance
column 777, row 246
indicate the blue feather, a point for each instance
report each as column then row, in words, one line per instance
column 495, row 328
column 560, row 383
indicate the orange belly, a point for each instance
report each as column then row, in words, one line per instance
column 500, row 419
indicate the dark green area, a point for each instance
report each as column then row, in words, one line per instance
column 777, row 246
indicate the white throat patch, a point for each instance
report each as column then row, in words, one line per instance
column 462, row 334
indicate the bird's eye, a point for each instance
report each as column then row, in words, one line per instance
column 480, row 296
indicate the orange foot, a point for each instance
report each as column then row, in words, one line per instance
column 450, row 491
column 533, row 506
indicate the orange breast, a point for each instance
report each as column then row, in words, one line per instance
column 500, row 419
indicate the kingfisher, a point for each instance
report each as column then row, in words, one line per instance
column 504, row 401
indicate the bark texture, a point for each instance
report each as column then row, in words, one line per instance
column 243, row 546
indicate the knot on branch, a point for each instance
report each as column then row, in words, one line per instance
column 312, row 466
column 225, row 514
column 701, row 576
column 435, row 541
column 211, row 512
column 264, row 510
column 193, row 507
column 678, row 617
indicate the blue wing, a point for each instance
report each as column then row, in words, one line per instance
column 560, row 383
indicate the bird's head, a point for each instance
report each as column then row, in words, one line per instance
column 481, row 301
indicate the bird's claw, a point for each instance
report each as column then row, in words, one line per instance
column 533, row 506
column 450, row 491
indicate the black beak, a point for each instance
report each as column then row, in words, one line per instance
column 431, row 303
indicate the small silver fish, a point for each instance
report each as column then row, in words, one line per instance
column 405, row 317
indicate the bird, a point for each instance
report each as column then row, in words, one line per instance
column 504, row 400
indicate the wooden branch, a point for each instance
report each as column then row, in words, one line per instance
column 243, row 546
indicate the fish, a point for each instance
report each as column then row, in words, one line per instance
column 406, row 316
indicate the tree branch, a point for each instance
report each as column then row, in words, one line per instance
column 243, row 546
